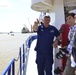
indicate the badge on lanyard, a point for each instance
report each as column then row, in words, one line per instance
column 71, row 35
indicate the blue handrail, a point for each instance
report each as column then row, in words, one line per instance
column 23, row 56
column 8, row 68
column 28, row 44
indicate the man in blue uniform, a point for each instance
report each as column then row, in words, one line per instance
column 44, row 46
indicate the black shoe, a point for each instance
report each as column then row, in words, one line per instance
column 58, row 70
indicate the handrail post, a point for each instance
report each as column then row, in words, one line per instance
column 20, row 60
column 23, row 57
column 9, row 71
column 23, row 54
column 13, row 68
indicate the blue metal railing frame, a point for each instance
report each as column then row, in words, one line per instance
column 10, row 69
column 28, row 45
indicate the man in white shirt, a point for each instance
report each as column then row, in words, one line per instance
column 69, row 69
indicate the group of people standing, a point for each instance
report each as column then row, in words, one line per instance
column 45, row 43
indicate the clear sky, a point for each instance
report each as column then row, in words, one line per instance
column 14, row 14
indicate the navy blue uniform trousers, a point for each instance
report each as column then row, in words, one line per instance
column 44, row 63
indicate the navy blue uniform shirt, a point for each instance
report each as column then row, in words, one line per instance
column 45, row 37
